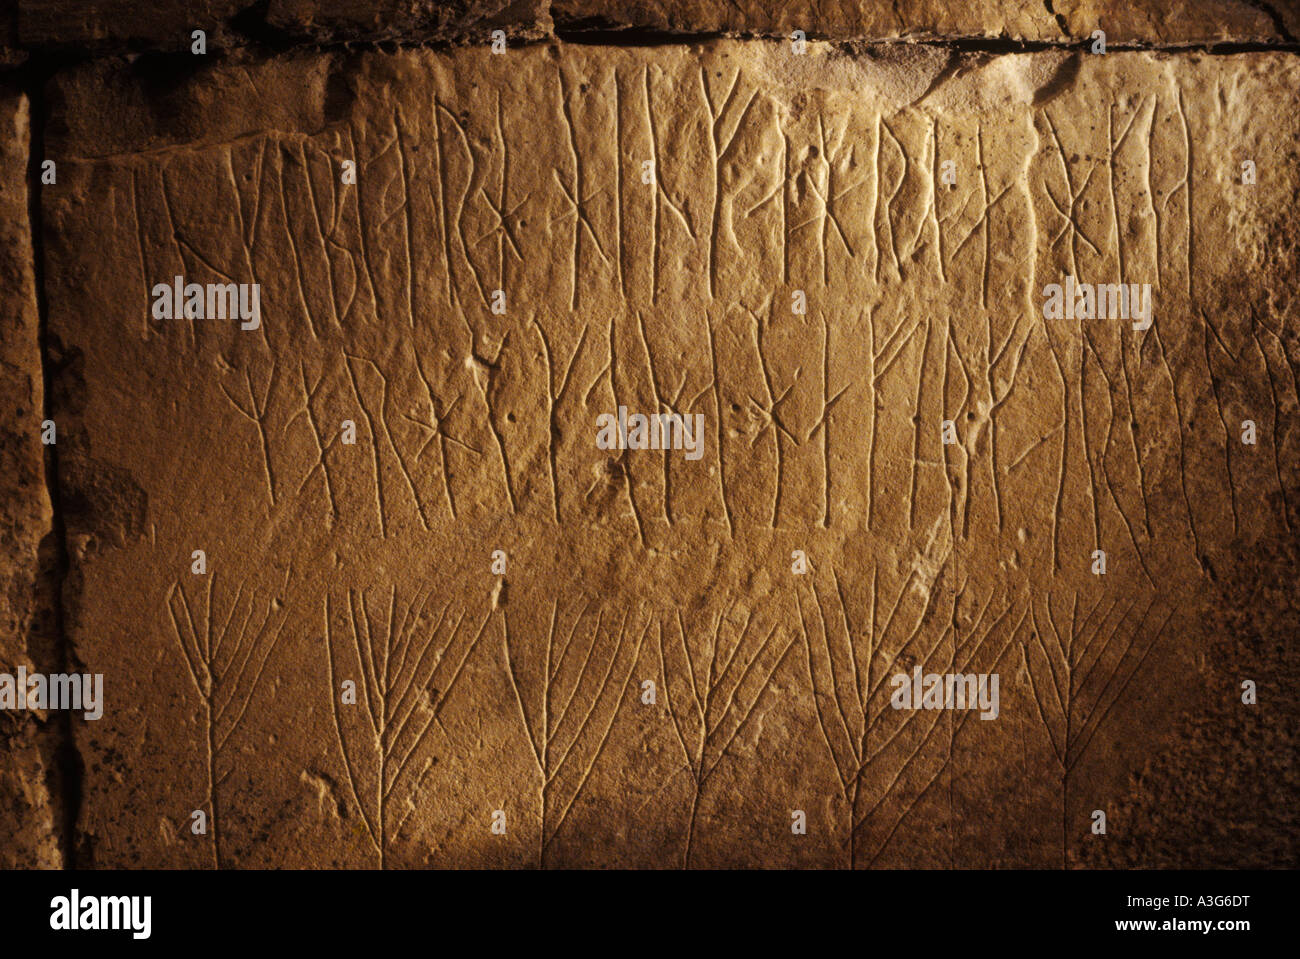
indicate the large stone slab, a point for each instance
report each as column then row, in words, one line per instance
column 838, row 260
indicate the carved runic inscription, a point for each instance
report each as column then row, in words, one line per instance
column 772, row 445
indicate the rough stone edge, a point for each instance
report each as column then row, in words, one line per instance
column 26, row 31
column 31, row 777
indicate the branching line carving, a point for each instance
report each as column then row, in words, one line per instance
column 1078, row 671
column 323, row 445
column 404, row 671
column 712, row 689
column 579, row 685
column 721, row 141
column 850, row 694
column 225, row 661
column 670, row 405
column 577, row 202
column 555, row 393
column 257, row 414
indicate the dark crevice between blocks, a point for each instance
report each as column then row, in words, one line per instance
column 169, row 66
column 69, row 770
column 587, row 33
column 1278, row 23
column 599, row 31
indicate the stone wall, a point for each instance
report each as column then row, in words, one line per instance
column 375, row 573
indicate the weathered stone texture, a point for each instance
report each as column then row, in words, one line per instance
column 113, row 26
column 116, row 26
column 27, row 811
column 1147, row 21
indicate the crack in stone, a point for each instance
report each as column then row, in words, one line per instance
column 266, row 41
column 70, row 769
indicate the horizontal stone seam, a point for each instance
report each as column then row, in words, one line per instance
column 48, row 64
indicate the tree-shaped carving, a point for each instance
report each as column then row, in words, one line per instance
column 226, row 657
column 850, row 665
column 576, row 686
column 712, row 688
column 1078, row 670
column 404, row 668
